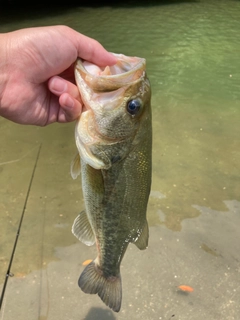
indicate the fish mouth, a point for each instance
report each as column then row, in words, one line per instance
column 125, row 72
column 125, row 65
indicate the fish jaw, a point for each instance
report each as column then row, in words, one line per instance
column 86, row 137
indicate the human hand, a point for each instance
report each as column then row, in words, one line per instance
column 37, row 83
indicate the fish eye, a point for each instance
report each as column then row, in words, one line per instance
column 133, row 106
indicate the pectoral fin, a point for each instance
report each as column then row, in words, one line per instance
column 142, row 241
column 75, row 166
column 82, row 229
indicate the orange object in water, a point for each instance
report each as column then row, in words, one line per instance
column 86, row 262
column 185, row 288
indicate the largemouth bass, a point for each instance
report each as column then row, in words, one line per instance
column 114, row 140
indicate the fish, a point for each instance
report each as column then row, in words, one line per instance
column 114, row 159
column 185, row 288
column 86, row 262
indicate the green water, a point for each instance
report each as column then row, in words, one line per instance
column 192, row 50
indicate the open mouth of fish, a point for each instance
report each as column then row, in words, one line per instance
column 125, row 65
column 126, row 71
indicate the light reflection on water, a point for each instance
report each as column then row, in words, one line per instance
column 192, row 50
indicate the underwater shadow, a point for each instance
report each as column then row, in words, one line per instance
column 21, row 10
column 100, row 314
column 134, row 3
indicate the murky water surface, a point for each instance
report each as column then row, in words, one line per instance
column 193, row 61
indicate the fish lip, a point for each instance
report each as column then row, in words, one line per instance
column 134, row 66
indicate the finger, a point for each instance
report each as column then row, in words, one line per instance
column 58, row 86
column 69, row 98
column 91, row 50
column 70, row 108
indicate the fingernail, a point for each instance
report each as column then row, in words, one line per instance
column 68, row 103
column 58, row 85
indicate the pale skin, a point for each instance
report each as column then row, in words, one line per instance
column 37, row 84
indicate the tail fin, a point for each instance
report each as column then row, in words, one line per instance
column 109, row 289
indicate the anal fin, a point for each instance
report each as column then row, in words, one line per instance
column 82, row 229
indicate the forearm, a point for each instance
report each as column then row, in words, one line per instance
column 3, row 70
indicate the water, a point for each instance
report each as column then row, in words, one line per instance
column 192, row 50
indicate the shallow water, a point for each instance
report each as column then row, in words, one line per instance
column 192, row 50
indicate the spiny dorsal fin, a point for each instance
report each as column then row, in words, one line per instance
column 75, row 166
column 109, row 289
column 82, row 229
column 142, row 241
